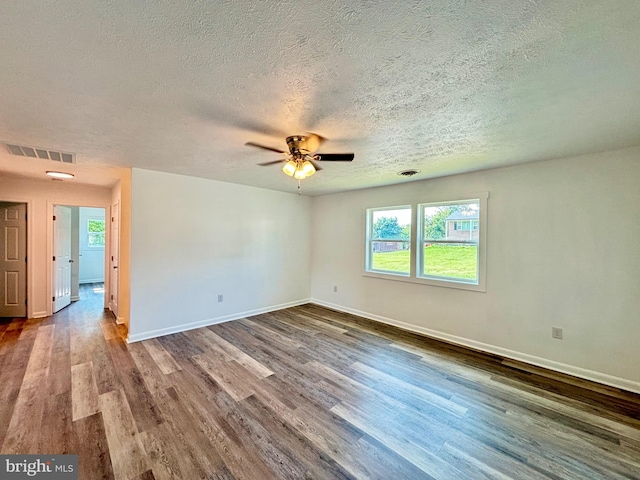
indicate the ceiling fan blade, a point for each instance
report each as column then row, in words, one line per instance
column 335, row 157
column 264, row 164
column 251, row 144
column 231, row 116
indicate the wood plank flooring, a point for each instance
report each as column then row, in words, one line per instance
column 305, row 392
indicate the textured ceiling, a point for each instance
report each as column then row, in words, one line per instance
column 442, row 87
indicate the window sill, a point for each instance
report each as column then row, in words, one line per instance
column 479, row 287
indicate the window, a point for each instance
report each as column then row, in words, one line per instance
column 389, row 240
column 446, row 247
column 95, row 229
column 449, row 238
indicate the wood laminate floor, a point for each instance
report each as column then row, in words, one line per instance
column 305, row 392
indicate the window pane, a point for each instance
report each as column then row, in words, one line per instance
column 391, row 224
column 95, row 226
column 451, row 222
column 390, row 240
column 453, row 261
column 391, row 256
column 96, row 239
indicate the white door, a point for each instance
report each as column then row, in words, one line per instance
column 113, row 264
column 61, row 257
column 13, row 259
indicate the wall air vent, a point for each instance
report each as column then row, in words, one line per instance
column 34, row 152
column 408, row 173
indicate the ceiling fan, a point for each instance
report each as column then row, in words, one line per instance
column 300, row 160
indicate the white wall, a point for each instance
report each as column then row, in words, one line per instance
column 91, row 258
column 40, row 197
column 563, row 250
column 193, row 239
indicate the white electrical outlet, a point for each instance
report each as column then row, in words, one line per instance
column 335, row 288
column 220, row 298
column 556, row 332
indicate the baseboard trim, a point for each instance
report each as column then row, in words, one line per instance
column 39, row 314
column 598, row 377
column 96, row 280
column 75, row 298
column 137, row 337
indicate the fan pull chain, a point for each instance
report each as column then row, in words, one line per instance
column 299, row 187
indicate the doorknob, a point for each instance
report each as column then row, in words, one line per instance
column 115, row 267
column 71, row 261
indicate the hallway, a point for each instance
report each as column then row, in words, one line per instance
column 36, row 380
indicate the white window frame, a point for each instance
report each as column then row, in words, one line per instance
column 476, row 284
column 417, row 215
column 369, row 243
column 88, row 246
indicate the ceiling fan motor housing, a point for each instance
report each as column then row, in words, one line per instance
column 298, row 145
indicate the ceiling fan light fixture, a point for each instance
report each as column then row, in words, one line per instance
column 290, row 168
column 299, row 162
column 308, row 168
column 304, row 169
column 299, row 174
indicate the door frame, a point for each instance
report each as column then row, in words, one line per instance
column 114, row 212
column 49, row 249
column 30, row 312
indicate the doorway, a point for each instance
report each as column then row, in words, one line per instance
column 79, row 253
column 13, row 259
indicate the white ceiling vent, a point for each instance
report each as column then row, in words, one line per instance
column 34, row 152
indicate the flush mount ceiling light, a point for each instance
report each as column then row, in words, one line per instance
column 55, row 174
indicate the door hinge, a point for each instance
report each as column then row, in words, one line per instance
column 25, row 259
column 54, row 217
column 112, row 258
column 53, row 299
column 111, row 219
column 54, row 258
column 111, row 297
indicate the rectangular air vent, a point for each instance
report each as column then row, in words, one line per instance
column 34, row 152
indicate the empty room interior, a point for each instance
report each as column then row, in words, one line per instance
column 285, row 240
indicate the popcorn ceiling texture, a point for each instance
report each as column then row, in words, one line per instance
column 441, row 87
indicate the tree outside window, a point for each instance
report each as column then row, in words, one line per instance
column 96, row 231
